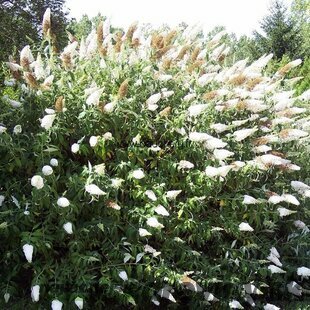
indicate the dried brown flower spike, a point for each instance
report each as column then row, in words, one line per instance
column 123, row 89
column 59, row 104
column 46, row 24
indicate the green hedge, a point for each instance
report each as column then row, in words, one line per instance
column 168, row 196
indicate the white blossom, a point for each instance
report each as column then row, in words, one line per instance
column 153, row 222
column 54, row 162
column 189, row 97
column 214, row 143
column 28, row 251
column 299, row 224
column 275, row 269
column 301, row 188
column 154, row 148
column 245, row 227
column 161, row 210
column 249, row 200
column 94, row 190
column 68, row 228
column 243, row 133
column 271, row 307
column 167, row 94
column 198, row 136
column 2, row 129
column 56, row 304
column 47, row 121
column 197, row 109
column 151, row 195
column 269, row 159
column 164, row 77
column 14, row 103
column 288, row 135
column 173, row 194
column 152, row 100
column 235, row 304
column 107, row 136
column 37, row 181
column 63, row 202
column 222, row 154
column 109, row 107
column 262, row 149
column 75, row 147
column 93, row 140
column 47, row 170
column 219, row 128
column 165, row 293
column 2, row 198
column 93, row 99
column 303, row 271
column 136, row 139
column 138, row 174
column 123, row 275
column 294, row 288
column 152, row 107
column 155, row 301
column 79, row 302
column 275, row 252
column 285, row 212
column 35, row 293
column 209, row 297
column 215, row 172
column 143, row 232
column 184, row 164
column 6, row 297
column 17, row 129
column 274, row 199
column 99, row 169
column 252, row 289
column 117, row 182
column 274, row 259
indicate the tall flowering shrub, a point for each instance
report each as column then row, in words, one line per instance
column 138, row 169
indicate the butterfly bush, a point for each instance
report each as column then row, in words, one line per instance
column 152, row 170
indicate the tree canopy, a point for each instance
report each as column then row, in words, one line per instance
column 280, row 33
column 20, row 22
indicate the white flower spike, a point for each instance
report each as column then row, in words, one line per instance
column 68, row 228
column 37, row 181
column 47, row 170
column 56, row 304
column 245, row 227
column 94, row 190
column 63, row 202
column 35, row 293
column 28, row 252
column 79, row 302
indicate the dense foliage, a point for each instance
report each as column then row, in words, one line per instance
column 145, row 170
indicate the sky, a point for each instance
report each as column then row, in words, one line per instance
column 238, row 16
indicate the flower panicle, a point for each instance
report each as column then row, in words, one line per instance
column 46, row 24
column 132, row 28
column 123, row 89
column 100, row 33
column 30, row 80
column 59, row 104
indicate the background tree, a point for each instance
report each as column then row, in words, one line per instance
column 300, row 11
column 81, row 28
column 20, row 22
column 281, row 34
